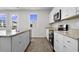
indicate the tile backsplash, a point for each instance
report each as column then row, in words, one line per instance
column 73, row 23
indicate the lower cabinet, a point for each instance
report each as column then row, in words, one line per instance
column 67, row 48
column 20, row 42
column 65, row 44
column 58, row 47
column 5, row 44
column 47, row 34
column 58, row 42
column 15, row 43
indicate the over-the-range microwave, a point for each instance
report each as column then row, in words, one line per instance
column 57, row 16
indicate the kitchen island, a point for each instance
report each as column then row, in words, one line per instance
column 14, row 41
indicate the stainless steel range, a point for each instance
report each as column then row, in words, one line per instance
column 51, row 38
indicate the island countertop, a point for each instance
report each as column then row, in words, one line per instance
column 14, row 41
column 12, row 33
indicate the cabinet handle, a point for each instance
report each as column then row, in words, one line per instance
column 68, row 41
column 65, row 46
column 66, row 15
column 20, row 42
column 57, row 40
column 77, row 10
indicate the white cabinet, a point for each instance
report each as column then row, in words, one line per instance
column 67, row 48
column 17, row 43
column 72, row 11
column 65, row 44
column 68, row 12
column 51, row 15
column 71, row 42
column 64, row 13
column 51, row 20
column 70, row 45
column 20, row 42
column 56, row 46
column 77, row 10
column 58, row 42
column 5, row 44
column 47, row 34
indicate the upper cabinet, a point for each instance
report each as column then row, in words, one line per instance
column 68, row 12
column 51, row 17
column 77, row 10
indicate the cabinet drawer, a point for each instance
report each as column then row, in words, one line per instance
column 71, row 42
column 56, row 46
column 67, row 48
column 58, row 37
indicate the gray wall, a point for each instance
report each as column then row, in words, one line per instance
column 38, row 29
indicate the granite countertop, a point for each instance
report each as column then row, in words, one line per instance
column 50, row 28
column 74, row 34
column 13, row 33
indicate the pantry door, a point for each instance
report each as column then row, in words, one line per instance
column 33, row 22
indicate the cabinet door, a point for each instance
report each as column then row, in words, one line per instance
column 65, row 44
column 56, row 45
column 5, row 44
column 70, row 45
column 67, row 48
column 58, row 42
column 65, row 13
column 20, row 42
column 26, row 39
column 17, row 44
column 72, row 11
column 71, row 42
column 47, row 34
column 68, row 12
column 51, row 20
column 77, row 10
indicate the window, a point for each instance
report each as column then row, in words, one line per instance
column 3, row 18
column 14, row 18
column 33, row 18
column 14, row 21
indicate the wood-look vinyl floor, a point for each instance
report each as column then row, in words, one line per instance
column 39, row 45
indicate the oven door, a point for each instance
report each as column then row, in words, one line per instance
column 51, row 38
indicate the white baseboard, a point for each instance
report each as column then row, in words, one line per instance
column 38, row 37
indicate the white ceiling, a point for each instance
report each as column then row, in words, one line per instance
column 26, row 8
column 38, row 8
